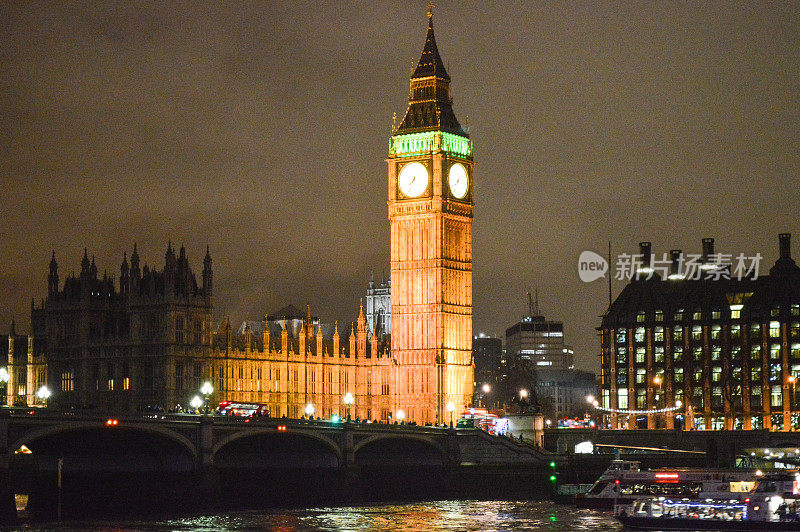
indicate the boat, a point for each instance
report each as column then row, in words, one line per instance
column 773, row 504
column 624, row 481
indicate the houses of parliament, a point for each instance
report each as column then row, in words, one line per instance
column 148, row 339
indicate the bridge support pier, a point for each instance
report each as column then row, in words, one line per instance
column 8, row 507
column 207, row 471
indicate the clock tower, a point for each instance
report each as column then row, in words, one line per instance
column 430, row 214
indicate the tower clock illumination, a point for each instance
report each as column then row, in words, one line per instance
column 413, row 180
column 458, row 180
column 430, row 216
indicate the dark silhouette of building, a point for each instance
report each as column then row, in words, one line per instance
column 487, row 352
column 727, row 348
column 117, row 345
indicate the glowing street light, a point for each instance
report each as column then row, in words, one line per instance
column 206, row 389
column 348, row 401
column 590, row 399
column 523, row 393
column 3, row 375
column 451, row 408
column 310, row 409
column 486, row 388
column 44, row 394
column 196, row 402
column 401, row 415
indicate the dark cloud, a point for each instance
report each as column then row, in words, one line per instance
column 261, row 129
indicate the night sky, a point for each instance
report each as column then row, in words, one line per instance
column 261, row 130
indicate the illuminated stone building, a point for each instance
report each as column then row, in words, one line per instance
column 727, row 349
column 119, row 348
column 292, row 360
column 430, row 214
column 25, row 371
column 379, row 306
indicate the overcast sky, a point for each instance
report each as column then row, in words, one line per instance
column 261, row 130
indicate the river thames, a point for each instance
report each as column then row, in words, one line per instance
column 431, row 515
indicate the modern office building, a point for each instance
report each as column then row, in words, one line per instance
column 720, row 348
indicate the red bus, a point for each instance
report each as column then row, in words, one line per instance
column 233, row 408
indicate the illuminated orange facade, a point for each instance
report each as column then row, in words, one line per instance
column 430, row 213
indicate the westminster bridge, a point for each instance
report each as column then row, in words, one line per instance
column 169, row 460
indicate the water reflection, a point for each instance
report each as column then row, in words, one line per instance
column 426, row 516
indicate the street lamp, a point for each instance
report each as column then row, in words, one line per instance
column 310, row 410
column 451, row 408
column 400, row 416
column 196, row 403
column 590, row 400
column 657, row 381
column 206, row 389
column 485, row 389
column 523, row 393
column 348, row 401
column 44, row 394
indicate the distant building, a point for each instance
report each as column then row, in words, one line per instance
column 26, row 372
column 120, row 347
column 539, row 364
column 562, row 393
column 378, row 305
column 539, row 342
column 487, row 352
column 728, row 349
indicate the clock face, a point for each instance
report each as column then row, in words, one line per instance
column 413, row 180
column 458, row 180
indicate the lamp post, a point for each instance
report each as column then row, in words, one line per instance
column 310, row 410
column 523, row 394
column 485, row 389
column 657, row 381
column 348, row 401
column 44, row 394
column 451, row 408
column 206, row 389
column 589, row 401
column 400, row 416
column 196, row 403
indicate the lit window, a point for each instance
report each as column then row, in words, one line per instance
column 795, row 352
column 677, row 353
column 659, row 334
column 678, row 315
column 795, row 310
column 621, row 335
column 715, row 314
column 659, row 354
column 755, row 331
column 698, row 353
column 640, row 376
column 640, row 317
column 736, row 331
column 755, row 352
column 678, row 375
column 659, row 315
column 677, row 333
column 622, row 398
column 716, row 352
column 774, row 312
column 716, row 374
column 774, row 329
column 126, row 383
column 716, row 332
column 777, row 396
column 640, row 354
column 697, row 332
column 622, row 357
column 639, row 334
column 775, row 351
column 697, row 315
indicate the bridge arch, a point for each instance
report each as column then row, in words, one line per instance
column 251, row 433
column 63, row 428
column 399, row 450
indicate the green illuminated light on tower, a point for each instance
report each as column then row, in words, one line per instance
column 415, row 144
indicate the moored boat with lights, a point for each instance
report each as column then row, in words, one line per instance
column 624, row 481
column 772, row 504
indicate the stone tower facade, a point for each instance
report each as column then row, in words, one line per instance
column 430, row 213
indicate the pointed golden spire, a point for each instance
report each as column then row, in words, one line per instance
column 430, row 9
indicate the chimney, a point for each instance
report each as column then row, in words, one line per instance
column 784, row 240
column 676, row 256
column 708, row 249
column 646, row 266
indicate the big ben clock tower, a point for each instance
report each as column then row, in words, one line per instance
column 430, row 213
